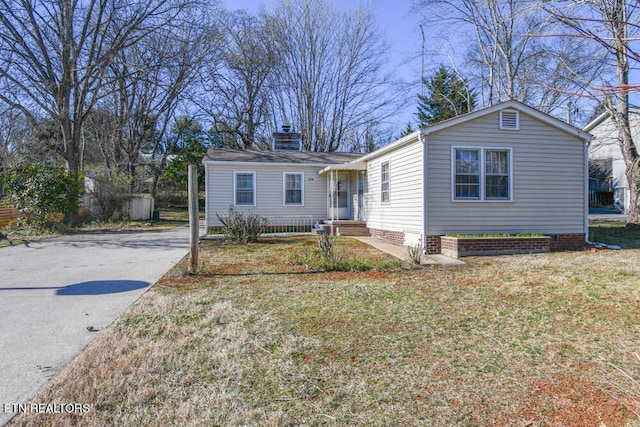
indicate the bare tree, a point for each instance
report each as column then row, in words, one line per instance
column 54, row 57
column 235, row 91
column 508, row 58
column 329, row 80
column 14, row 133
column 613, row 25
column 148, row 85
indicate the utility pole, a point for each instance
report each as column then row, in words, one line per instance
column 194, row 225
column 422, row 58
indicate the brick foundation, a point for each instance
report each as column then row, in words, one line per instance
column 395, row 237
column 458, row 247
column 567, row 242
column 433, row 245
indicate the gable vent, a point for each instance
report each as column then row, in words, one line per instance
column 509, row 119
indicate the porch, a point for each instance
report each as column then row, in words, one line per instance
column 342, row 227
column 347, row 193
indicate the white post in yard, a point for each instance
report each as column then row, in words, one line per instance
column 194, row 226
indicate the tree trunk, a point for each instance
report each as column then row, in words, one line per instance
column 619, row 23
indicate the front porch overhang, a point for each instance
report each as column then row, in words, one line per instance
column 354, row 166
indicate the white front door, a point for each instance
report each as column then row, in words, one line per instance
column 339, row 195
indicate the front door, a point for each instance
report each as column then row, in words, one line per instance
column 339, row 196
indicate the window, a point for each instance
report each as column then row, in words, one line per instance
column 482, row 174
column 467, row 174
column 294, row 189
column 497, row 174
column 384, row 182
column 245, row 188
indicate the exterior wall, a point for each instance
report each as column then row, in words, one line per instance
column 403, row 214
column 606, row 146
column 269, row 191
column 548, row 180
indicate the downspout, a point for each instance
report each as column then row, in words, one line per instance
column 587, row 144
column 422, row 137
column 206, row 197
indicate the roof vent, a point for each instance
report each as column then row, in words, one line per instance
column 287, row 140
column 509, row 119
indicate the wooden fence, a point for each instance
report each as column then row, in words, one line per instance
column 7, row 214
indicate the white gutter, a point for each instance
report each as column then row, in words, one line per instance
column 587, row 143
column 206, row 197
column 422, row 137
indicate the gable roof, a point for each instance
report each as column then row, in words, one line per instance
column 510, row 105
column 274, row 157
column 332, row 160
column 602, row 117
column 506, row 105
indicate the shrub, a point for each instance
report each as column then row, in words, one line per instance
column 415, row 253
column 328, row 257
column 40, row 191
column 240, row 228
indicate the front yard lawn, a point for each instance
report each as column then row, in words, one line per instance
column 256, row 339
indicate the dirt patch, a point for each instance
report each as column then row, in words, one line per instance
column 571, row 401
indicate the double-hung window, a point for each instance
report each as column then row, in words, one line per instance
column 384, row 182
column 245, row 188
column 482, row 174
column 293, row 189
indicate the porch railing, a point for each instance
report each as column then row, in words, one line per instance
column 289, row 224
column 598, row 199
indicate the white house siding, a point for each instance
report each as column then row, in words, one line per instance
column 548, row 180
column 269, row 190
column 607, row 146
column 404, row 212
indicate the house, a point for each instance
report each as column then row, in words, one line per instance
column 608, row 186
column 507, row 168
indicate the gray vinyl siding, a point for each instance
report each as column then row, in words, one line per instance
column 548, row 180
column 269, row 191
column 404, row 211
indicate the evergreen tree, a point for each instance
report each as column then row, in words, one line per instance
column 407, row 130
column 448, row 96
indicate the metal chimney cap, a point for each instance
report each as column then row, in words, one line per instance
column 286, row 127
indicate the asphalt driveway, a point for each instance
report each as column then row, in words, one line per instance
column 58, row 294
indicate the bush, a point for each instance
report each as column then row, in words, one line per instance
column 328, row 257
column 240, row 228
column 40, row 191
column 415, row 253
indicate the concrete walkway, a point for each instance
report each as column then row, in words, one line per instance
column 400, row 252
column 58, row 294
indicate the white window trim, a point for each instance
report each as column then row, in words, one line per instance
column 482, row 198
column 235, row 184
column 388, row 162
column 284, row 188
column 517, row 113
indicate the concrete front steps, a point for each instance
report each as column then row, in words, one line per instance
column 346, row 227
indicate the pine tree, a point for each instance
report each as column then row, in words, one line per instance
column 448, row 96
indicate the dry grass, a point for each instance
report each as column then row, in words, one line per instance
column 255, row 339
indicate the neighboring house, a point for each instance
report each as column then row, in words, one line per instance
column 504, row 169
column 608, row 186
